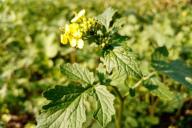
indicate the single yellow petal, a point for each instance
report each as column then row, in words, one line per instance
column 80, row 43
column 78, row 16
column 73, row 42
column 64, row 39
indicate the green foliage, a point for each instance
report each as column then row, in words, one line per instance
column 159, row 89
column 105, row 107
column 123, row 60
column 66, row 112
column 77, row 73
column 60, row 94
column 177, row 71
column 67, row 107
column 106, row 17
column 130, row 73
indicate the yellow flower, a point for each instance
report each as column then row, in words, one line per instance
column 87, row 24
column 74, row 32
column 84, row 27
column 78, row 16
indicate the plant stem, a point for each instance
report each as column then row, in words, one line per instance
column 119, row 110
column 118, row 93
column 73, row 56
column 140, row 82
column 120, row 114
column 143, row 79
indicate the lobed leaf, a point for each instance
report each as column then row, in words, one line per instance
column 67, row 109
column 77, row 73
column 67, row 112
column 123, row 60
column 105, row 108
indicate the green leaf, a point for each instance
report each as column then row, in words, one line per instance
column 117, row 39
column 119, row 23
column 123, row 60
column 64, row 112
column 77, row 73
column 159, row 89
column 62, row 94
column 177, row 70
column 105, row 108
column 106, row 17
column 67, row 106
column 160, row 53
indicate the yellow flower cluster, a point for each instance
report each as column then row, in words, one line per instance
column 73, row 33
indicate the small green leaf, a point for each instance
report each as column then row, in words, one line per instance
column 67, row 111
column 123, row 60
column 105, row 108
column 177, row 70
column 159, row 89
column 77, row 73
column 160, row 53
column 106, row 17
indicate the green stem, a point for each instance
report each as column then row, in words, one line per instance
column 143, row 79
column 73, row 56
column 140, row 82
column 119, row 110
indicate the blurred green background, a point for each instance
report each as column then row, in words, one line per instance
column 30, row 55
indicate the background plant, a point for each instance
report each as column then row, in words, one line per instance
column 28, row 66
